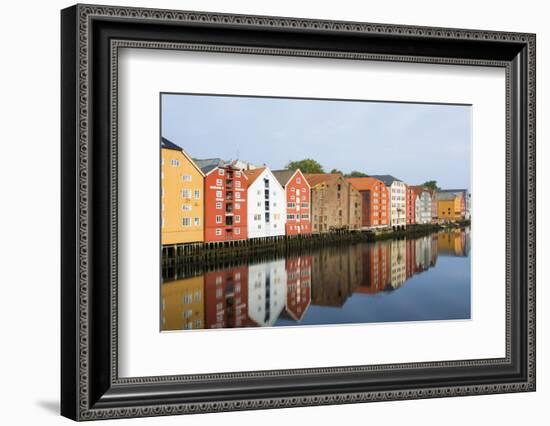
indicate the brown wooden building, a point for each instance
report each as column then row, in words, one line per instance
column 335, row 205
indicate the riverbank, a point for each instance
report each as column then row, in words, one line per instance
column 215, row 252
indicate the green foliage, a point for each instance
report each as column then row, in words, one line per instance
column 336, row 171
column 355, row 173
column 431, row 184
column 307, row 165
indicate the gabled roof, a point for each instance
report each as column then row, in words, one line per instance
column 364, row 183
column 208, row 163
column 283, row 176
column 419, row 189
column 317, row 178
column 253, row 174
column 453, row 190
column 387, row 179
column 165, row 143
column 445, row 196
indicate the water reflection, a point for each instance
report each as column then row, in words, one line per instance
column 397, row 280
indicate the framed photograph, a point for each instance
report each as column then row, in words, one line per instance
column 263, row 212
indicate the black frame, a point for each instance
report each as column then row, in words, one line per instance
column 91, row 37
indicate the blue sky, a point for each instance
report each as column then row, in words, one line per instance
column 413, row 142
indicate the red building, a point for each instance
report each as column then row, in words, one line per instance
column 226, row 298
column 225, row 209
column 298, row 201
column 410, row 205
column 298, row 290
column 375, row 201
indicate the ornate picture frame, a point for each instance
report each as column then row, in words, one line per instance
column 91, row 37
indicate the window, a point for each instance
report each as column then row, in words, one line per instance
column 218, row 205
column 197, row 221
column 219, row 182
column 298, row 181
column 186, row 193
column 186, row 207
column 198, row 323
column 175, row 163
column 186, row 221
column 276, row 216
column 197, row 194
column 218, row 231
column 339, row 187
column 290, row 216
column 257, row 217
column 237, row 195
column 237, row 219
column 238, row 276
column 291, row 205
column 237, row 231
column 303, row 190
column 238, row 184
column 186, row 178
column 238, row 174
column 218, row 280
column 237, row 206
column 221, row 172
column 305, row 216
column 304, row 205
column 218, row 218
column 218, row 194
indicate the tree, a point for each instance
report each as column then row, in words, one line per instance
column 355, row 173
column 336, row 171
column 431, row 184
column 307, row 165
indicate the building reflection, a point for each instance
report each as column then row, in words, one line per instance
column 259, row 294
column 226, row 297
column 298, row 286
column 266, row 292
column 182, row 304
column 453, row 243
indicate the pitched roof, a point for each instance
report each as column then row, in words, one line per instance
column 317, row 178
column 387, row 179
column 453, row 190
column 253, row 174
column 445, row 196
column 419, row 189
column 363, row 183
column 165, row 143
column 283, row 176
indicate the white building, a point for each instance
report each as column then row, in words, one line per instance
column 423, row 207
column 398, row 205
column 266, row 207
column 266, row 292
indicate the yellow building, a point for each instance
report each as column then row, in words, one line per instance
column 449, row 206
column 182, row 197
column 182, row 304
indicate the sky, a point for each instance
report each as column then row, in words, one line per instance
column 413, row 142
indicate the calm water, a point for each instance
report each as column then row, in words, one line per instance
column 426, row 278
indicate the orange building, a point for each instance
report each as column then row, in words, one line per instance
column 374, row 200
column 182, row 196
column 225, row 202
